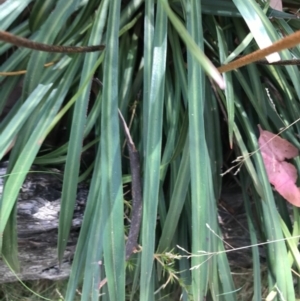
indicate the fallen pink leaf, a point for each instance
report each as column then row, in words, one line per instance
column 281, row 174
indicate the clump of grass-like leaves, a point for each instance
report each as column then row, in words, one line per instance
column 186, row 127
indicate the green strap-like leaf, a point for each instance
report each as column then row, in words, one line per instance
column 152, row 158
column 111, row 174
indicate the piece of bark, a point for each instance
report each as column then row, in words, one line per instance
column 37, row 222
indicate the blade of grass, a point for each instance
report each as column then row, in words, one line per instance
column 21, row 116
column 46, row 34
column 193, row 47
column 177, row 201
column 228, row 82
column 90, row 238
column 257, row 289
column 111, row 180
column 75, row 143
column 148, row 56
column 220, row 286
column 10, row 10
column 39, row 14
column 199, row 160
column 153, row 132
